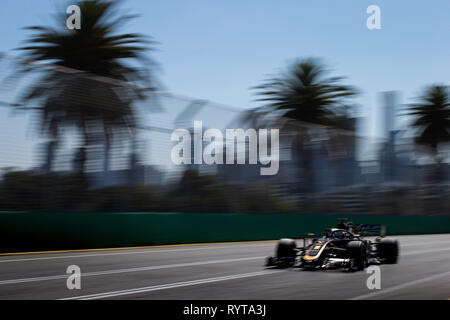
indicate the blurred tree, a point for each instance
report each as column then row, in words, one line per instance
column 432, row 118
column 303, row 97
column 90, row 85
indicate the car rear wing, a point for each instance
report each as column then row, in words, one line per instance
column 362, row 229
column 370, row 229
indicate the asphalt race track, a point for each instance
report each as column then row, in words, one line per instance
column 221, row 271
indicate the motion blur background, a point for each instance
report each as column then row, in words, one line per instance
column 86, row 115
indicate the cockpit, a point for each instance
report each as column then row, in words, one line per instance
column 338, row 234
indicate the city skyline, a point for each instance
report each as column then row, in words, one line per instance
column 208, row 51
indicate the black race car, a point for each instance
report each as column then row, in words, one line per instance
column 339, row 248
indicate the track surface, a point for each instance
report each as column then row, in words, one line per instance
column 221, row 271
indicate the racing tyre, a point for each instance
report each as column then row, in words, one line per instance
column 357, row 252
column 286, row 251
column 388, row 250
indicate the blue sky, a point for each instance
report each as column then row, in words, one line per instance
column 217, row 49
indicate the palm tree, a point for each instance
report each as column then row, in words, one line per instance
column 432, row 118
column 91, row 85
column 301, row 98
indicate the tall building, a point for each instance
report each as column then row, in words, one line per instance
column 389, row 111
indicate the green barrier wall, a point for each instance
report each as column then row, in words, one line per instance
column 28, row 231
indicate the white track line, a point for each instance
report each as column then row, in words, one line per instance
column 411, row 253
column 169, row 286
column 424, row 243
column 99, row 273
column 401, row 286
column 137, row 252
column 155, row 250
column 149, row 251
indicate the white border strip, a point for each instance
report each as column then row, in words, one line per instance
column 143, row 251
column 141, row 269
column 169, row 286
column 401, row 286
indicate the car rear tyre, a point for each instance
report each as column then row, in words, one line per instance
column 388, row 250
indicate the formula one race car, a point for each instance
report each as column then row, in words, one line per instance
column 339, row 248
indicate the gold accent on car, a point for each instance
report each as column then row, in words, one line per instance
column 308, row 257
